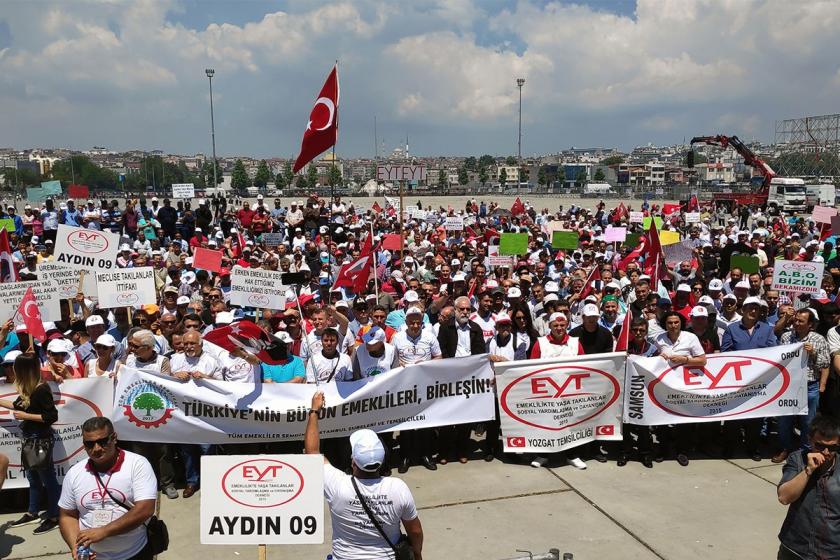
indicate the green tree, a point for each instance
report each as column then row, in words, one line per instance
column 148, row 402
column 312, row 176
column 542, row 179
column 561, row 174
column 510, row 160
column 280, row 181
column 87, row 172
column 463, row 176
column 599, row 175
column 207, row 173
column 486, row 161
column 471, row 163
column 612, row 160
column 287, row 173
column 503, row 178
column 482, row 176
column 580, row 179
column 239, row 179
column 334, row 176
column 263, row 175
column 442, row 181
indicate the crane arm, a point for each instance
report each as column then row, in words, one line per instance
column 749, row 157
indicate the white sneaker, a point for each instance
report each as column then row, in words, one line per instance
column 539, row 462
column 577, row 463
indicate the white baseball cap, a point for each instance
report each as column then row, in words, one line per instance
column 683, row 288
column 716, row 285
column 590, row 310
column 224, row 318
column 283, row 336
column 743, row 285
column 514, row 293
column 413, row 311
column 94, row 320
column 367, row 450
column 411, row 296
column 699, row 311
column 752, row 300
column 106, row 340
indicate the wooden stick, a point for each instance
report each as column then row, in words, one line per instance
column 262, row 553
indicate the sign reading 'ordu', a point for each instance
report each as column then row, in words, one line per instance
column 86, row 249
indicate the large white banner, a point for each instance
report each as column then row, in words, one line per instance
column 154, row 408
column 76, row 401
column 732, row 385
column 257, row 287
column 86, row 249
column 559, row 403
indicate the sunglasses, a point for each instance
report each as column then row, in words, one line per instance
column 102, row 442
column 819, row 447
column 101, row 347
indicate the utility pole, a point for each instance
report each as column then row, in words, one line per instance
column 519, row 83
column 210, row 73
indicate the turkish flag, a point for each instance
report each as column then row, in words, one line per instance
column 587, row 287
column 693, row 204
column 31, row 316
column 670, row 209
column 322, row 129
column 517, row 441
column 623, row 341
column 247, row 336
column 356, row 273
column 655, row 265
column 392, row 241
column 517, row 208
column 376, row 208
column 8, row 272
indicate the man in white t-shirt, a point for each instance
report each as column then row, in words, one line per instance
column 375, row 356
column 89, row 515
column 329, row 364
column 355, row 536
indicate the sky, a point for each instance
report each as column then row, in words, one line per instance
column 613, row 73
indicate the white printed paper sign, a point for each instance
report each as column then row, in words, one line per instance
column 46, row 294
column 804, row 277
column 183, row 190
column 256, row 287
column 86, row 249
column 127, row 287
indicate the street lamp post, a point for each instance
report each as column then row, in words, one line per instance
column 519, row 83
column 210, row 72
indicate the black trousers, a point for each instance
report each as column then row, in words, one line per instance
column 417, row 443
column 752, row 433
column 455, row 441
column 644, row 439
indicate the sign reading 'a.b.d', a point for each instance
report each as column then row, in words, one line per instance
column 126, row 287
column 804, row 277
column 86, row 249
column 268, row 499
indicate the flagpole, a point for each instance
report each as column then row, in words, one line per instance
column 332, row 186
column 374, row 263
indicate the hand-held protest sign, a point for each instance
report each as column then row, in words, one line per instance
column 637, row 217
column 263, row 499
column 747, row 263
column 256, row 287
column 823, row 214
column 554, row 404
column 513, row 244
column 76, row 401
column 68, row 280
column 454, row 223
column 183, row 190
column 565, row 240
column 78, row 191
column 669, row 237
column 207, row 259
column 692, row 218
column 615, row 234
column 804, row 277
column 126, row 287
column 46, row 295
column 86, row 249
column 731, row 386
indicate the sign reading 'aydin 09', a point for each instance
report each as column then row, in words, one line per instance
column 804, row 277
column 270, row 499
column 86, row 249
column 732, row 385
column 555, row 404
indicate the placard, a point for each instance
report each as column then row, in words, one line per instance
column 183, row 190
column 51, row 187
column 454, row 223
column 632, row 240
column 692, row 218
column 669, row 237
column 656, row 220
column 272, row 239
column 126, row 287
column 497, row 260
column 207, row 259
column 67, row 280
column 256, row 287
column 78, row 191
column 263, row 499
column 637, row 217
column 802, row 277
column 835, row 225
column 35, row 194
column 86, row 249
column 400, row 173
column 513, row 244
column 747, row 263
column 46, row 295
column 565, row 240
column 615, row 234
column 8, row 224
column 392, row 242
column 823, row 214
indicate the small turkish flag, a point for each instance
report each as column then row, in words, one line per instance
column 516, row 441
column 604, row 430
column 247, row 336
column 31, row 316
column 322, row 129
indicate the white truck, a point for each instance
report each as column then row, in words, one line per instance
column 597, row 189
column 787, row 195
column 820, row 195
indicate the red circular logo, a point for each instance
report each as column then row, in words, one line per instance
column 262, row 483
column 258, row 300
column 89, row 242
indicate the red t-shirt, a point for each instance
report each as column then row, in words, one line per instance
column 245, row 217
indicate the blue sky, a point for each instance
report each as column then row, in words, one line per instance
column 127, row 75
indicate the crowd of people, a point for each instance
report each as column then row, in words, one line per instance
column 436, row 296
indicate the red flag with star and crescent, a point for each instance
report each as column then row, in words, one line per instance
column 623, row 341
column 30, row 316
column 655, row 265
column 322, row 129
column 355, row 274
column 8, row 272
column 247, row 336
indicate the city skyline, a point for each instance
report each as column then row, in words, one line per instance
column 443, row 73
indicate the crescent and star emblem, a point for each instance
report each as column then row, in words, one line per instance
column 328, row 103
column 27, row 312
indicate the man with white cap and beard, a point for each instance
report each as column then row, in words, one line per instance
column 366, row 509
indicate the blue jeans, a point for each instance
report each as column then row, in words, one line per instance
column 192, row 460
column 787, row 423
column 39, row 480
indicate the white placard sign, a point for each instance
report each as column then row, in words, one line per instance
column 804, row 277
column 271, row 239
column 256, row 287
column 68, row 280
column 692, row 218
column 86, row 249
column 46, row 294
column 400, row 172
column 183, row 190
column 637, row 217
column 264, row 499
column 454, row 223
column 126, row 287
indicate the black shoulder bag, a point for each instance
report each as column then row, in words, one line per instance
column 156, row 531
column 402, row 550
